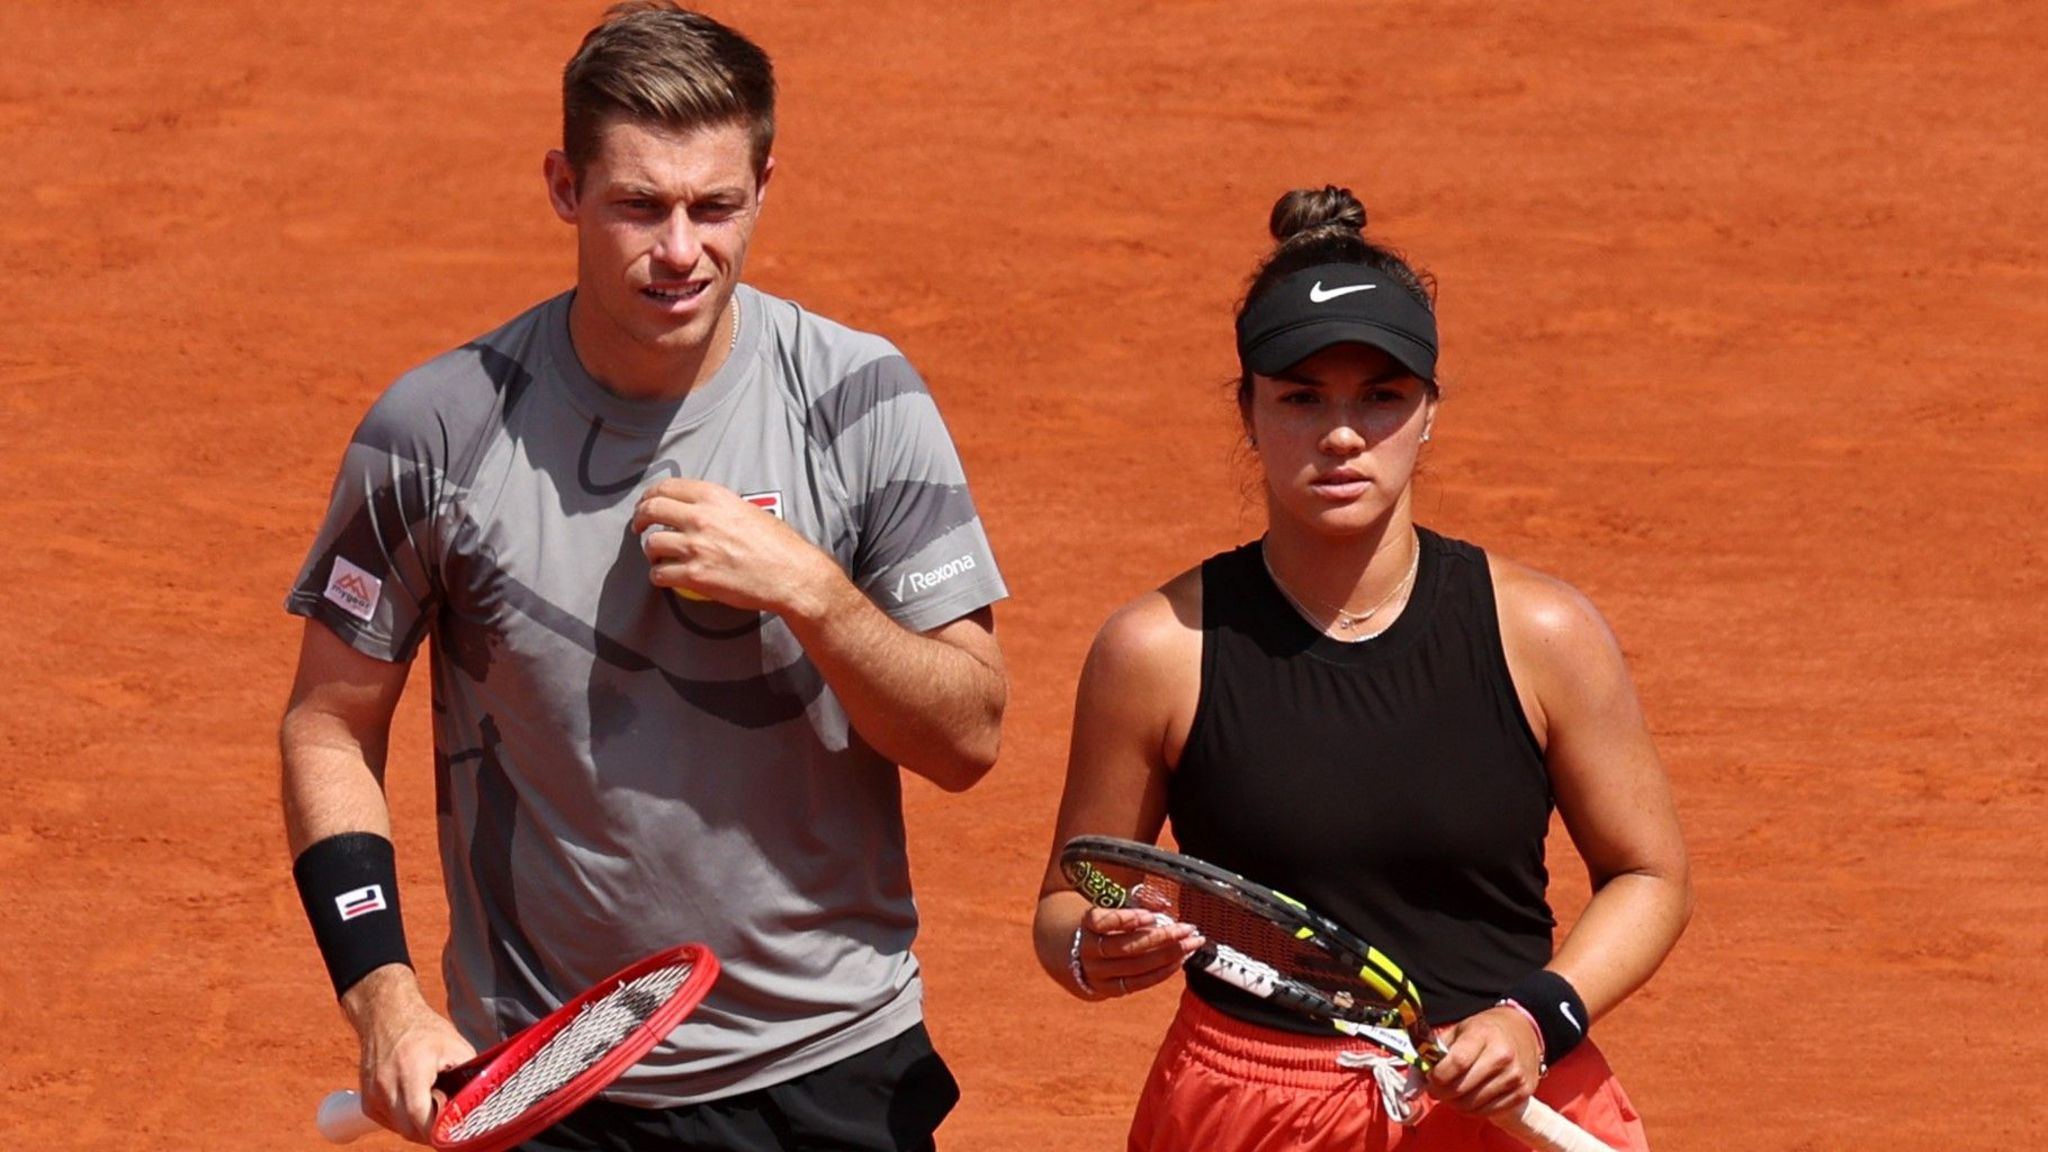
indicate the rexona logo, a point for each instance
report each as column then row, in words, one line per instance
column 911, row 583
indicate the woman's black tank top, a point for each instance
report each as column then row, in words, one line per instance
column 1392, row 784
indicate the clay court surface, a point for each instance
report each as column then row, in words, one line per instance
column 1745, row 311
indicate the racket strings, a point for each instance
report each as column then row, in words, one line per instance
column 1250, row 926
column 599, row 1028
column 1248, row 950
column 1226, row 922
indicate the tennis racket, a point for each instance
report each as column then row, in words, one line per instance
column 1275, row 948
column 543, row 1072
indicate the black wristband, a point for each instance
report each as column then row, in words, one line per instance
column 1555, row 1005
column 349, row 886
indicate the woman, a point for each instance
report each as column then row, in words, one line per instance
column 1377, row 720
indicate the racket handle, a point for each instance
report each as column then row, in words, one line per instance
column 1540, row 1127
column 341, row 1118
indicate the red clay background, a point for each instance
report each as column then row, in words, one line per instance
column 1744, row 313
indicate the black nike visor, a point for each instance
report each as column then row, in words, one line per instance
column 1336, row 304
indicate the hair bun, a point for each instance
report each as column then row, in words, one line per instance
column 1314, row 210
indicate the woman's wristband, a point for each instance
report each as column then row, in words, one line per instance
column 1554, row 1007
column 1074, row 964
column 349, row 887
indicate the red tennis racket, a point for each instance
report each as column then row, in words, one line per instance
column 542, row 1073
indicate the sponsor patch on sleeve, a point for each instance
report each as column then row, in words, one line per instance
column 353, row 590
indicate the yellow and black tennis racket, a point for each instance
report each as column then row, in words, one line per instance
column 1276, row 948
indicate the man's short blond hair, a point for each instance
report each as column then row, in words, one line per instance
column 653, row 62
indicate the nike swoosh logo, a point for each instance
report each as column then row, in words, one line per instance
column 1317, row 295
column 1565, row 1006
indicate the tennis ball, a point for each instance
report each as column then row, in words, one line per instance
column 690, row 594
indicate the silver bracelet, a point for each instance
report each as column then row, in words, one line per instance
column 1074, row 964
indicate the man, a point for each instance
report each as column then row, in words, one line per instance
column 701, row 570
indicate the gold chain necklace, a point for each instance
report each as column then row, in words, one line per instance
column 1345, row 620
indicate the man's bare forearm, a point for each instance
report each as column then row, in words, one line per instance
column 931, row 702
column 332, row 782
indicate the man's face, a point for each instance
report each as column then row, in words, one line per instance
column 663, row 219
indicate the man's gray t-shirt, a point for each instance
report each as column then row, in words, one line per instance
column 619, row 769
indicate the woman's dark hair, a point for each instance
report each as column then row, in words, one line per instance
column 1326, row 225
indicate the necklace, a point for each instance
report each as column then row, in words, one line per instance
column 735, row 341
column 1345, row 620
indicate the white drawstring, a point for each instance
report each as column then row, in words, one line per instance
column 1394, row 1071
column 1399, row 1081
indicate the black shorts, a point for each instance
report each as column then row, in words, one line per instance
column 889, row 1098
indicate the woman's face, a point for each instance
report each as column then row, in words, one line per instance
column 1337, row 436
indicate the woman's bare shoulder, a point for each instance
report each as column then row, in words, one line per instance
column 1537, row 607
column 1155, row 631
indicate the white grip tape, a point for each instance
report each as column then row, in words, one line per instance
column 1235, row 968
column 341, row 1118
column 1540, row 1127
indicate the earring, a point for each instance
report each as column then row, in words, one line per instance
column 1425, row 437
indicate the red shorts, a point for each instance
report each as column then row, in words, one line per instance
column 1221, row 1085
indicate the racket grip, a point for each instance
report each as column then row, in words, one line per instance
column 340, row 1118
column 1540, row 1127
